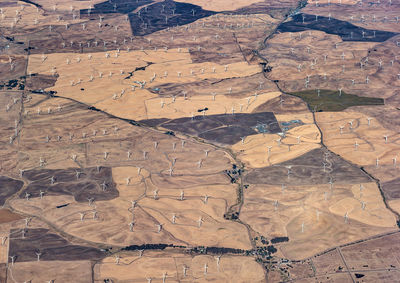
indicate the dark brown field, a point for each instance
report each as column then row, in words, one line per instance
column 89, row 183
column 8, row 188
column 49, row 245
column 308, row 170
column 222, row 129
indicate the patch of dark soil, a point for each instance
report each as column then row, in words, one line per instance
column 162, row 15
column 346, row 30
column 50, row 246
column 308, row 170
column 82, row 184
column 8, row 187
column 223, row 128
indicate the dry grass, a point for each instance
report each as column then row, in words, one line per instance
column 114, row 93
column 221, row 5
column 43, row 271
column 370, row 138
column 253, row 151
column 298, row 205
column 155, row 264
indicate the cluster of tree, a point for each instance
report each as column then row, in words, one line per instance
column 216, row 250
column 262, row 239
column 13, row 84
column 41, row 91
column 147, row 247
column 279, row 240
column 231, row 216
column 266, row 251
column 271, row 249
column 234, row 174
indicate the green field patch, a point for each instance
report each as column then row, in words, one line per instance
column 334, row 100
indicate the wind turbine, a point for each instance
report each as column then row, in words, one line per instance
column 386, row 138
column 200, row 221
column 363, row 204
column 185, row 268
column 38, row 254
column 346, row 217
column 218, row 258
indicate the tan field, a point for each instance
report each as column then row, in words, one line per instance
column 24, row 15
column 221, row 5
column 370, row 139
column 395, row 205
column 223, row 104
column 58, row 154
column 253, row 151
column 54, row 158
column 203, row 226
column 93, row 154
column 155, row 264
column 130, row 184
column 113, row 217
column 113, row 92
column 43, row 271
column 66, row 5
column 274, row 213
